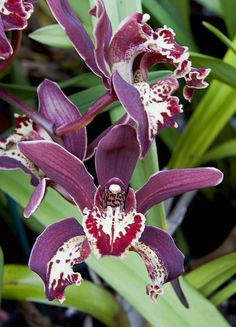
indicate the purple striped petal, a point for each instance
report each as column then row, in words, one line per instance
column 63, row 168
column 36, row 198
column 61, row 246
column 102, row 33
column 163, row 260
column 130, row 99
column 117, row 155
column 5, row 46
column 57, row 108
column 66, row 17
column 15, row 13
column 167, row 184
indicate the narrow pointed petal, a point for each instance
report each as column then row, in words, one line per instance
column 36, row 198
column 179, row 292
column 15, row 13
column 66, row 17
column 102, row 33
column 57, row 108
column 61, row 246
column 5, row 46
column 163, row 260
column 117, row 155
column 63, row 168
column 167, row 184
column 112, row 230
column 130, row 99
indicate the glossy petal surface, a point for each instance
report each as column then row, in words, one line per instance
column 166, row 184
column 36, row 198
column 56, row 251
column 117, row 154
column 163, row 260
column 63, row 168
column 65, row 16
column 57, row 108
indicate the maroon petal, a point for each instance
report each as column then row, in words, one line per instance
column 111, row 230
column 63, row 168
column 103, row 33
column 36, row 198
column 117, row 154
column 15, row 13
column 163, row 260
column 61, row 246
column 57, row 108
column 166, row 184
column 195, row 79
column 66, row 17
column 5, row 46
column 130, row 99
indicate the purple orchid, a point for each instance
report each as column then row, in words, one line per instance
column 113, row 213
column 122, row 61
column 56, row 108
column 13, row 16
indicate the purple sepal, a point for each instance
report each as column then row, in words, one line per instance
column 102, row 33
column 5, row 46
column 57, row 108
column 66, row 17
column 166, row 184
column 55, row 252
column 117, row 155
column 163, row 260
column 63, row 168
column 36, row 198
column 130, row 99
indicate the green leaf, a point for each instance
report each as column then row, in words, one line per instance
column 131, row 270
column 224, row 39
column 222, row 151
column 221, row 71
column 160, row 13
column 209, row 118
column 228, row 13
column 52, row 35
column 213, row 5
column 224, row 294
column 208, row 277
column 22, row 284
column 1, row 274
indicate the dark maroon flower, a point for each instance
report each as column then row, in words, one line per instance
column 123, row 60
column 113, row 213
column 56, row 108
column 13, row 16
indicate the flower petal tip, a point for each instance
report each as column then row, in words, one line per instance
column 153, row 291
column 218, row 175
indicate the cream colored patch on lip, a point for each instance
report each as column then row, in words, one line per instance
column 115, row 188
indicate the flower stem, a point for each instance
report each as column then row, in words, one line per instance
column 93, row 110
column 16, row 43
column 27, row 110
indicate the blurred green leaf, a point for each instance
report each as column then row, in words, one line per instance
column 1, row 274
column 21, row 284
column 158, row 11
column 208, row 277
column 224, row 39
column 221, row 151
column 213, row 5
column 228, row 12
column 210, row 116
column 224, row 294
column 52, row 35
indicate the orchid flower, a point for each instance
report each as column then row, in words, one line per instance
column 13, row 16
column 57, row 108
column 113, row 214
column 122, row 61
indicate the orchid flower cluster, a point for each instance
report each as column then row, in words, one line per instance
column 51, row 146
